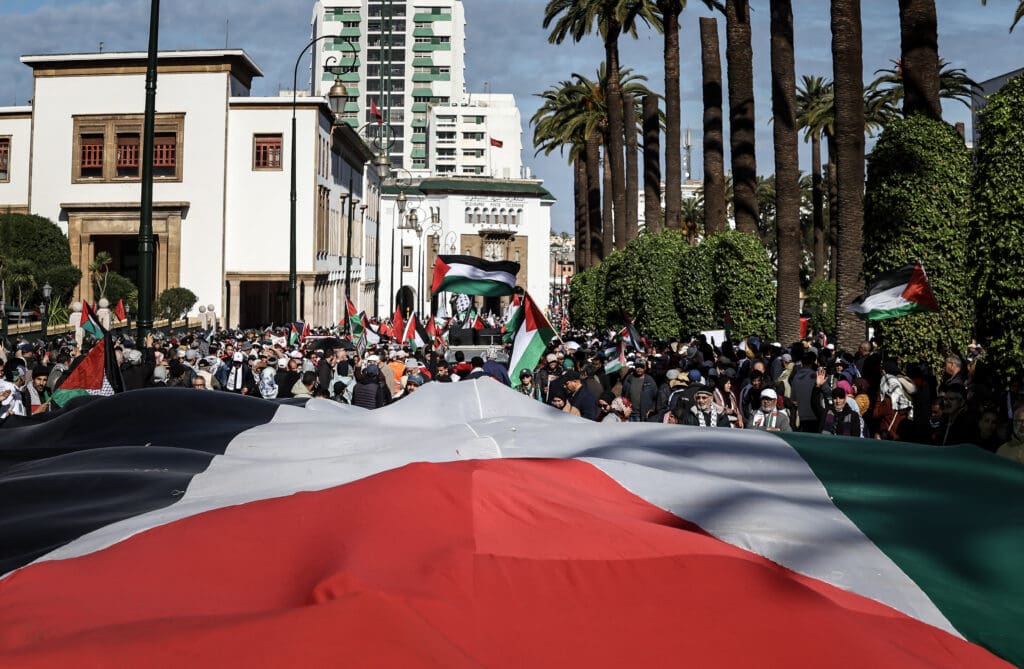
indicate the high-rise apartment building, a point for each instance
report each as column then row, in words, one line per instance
column 480, row 136
column 396, row 60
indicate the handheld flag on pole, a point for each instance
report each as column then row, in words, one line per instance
column 901, row 292
column 531, row 339
column 470, row 275
column 96, row 373
column 90, row 323
column 119, row 311
column 398, row 325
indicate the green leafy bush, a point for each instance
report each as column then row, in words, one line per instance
column 120, row 287
column 820, row 306
column 917, row 208
column 175, row 301
column 41, row 242
column 999, row 227
column 742, row 282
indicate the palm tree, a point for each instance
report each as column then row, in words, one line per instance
column 21, row 276
column 919, row 53
column 848, row 67
column 714, row 144
column 610, row 18
column 629, row 119
column 886, row 92
column 100, row 268
column 692, row 216
column 787, row 172
column 739, row 56
column 562, row 122
column 652, row 164
column 813, row 98
column 1017, row 15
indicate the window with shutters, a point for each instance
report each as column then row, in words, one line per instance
column 5, row 159
column 109, row 148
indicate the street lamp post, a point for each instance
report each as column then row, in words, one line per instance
column 146, row 243
column 45, row 307
column 292, row 272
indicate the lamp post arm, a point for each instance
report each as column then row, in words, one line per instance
column 292, row 250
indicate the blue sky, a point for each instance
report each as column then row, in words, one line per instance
column 507, row 49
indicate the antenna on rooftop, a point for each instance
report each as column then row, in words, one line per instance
column 227, row 31
column 688, row 147
column 101, row 47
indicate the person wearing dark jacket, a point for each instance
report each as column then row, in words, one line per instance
column 704, row 412
column 803, row 383
column 579, row 395
column 642, row 392
column 840, row 419
column 369, row 392
column 238, row 377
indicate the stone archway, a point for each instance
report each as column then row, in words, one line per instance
column 88, row 222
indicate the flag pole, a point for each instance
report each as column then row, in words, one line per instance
column 145, row 317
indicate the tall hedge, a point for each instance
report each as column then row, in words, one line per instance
column 917, row 208
column 40, row 240
column 999, row 227
column 642, row 282
column 742, row 282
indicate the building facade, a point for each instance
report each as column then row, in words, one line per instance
column 481, row 136
column 221, row 187
column 397, row 59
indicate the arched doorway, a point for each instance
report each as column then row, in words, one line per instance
column 406, row 300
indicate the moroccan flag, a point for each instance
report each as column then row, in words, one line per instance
column 96, row 373
column 497, row 143
column 376, row 113
column 119, row 311
column 480, row 527
column 398, row 326
column 470, row 275
column 897, row 293
column 90, row 323
column 531, row 339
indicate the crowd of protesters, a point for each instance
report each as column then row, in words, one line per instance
column 753, row 384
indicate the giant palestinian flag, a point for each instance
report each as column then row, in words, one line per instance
column 95, row 373
column 469, row 525
column 470, row 275
column 897, row 293
column 532, row 334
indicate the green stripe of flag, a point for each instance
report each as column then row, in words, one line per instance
column 966, row 557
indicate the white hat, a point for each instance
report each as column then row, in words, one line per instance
column 551, row 357
column 282, row 363
column 769, row 394
column 238, row 356
column 295, row 354
column 373, row 358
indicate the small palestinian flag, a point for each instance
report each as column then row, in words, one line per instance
column 90, row 323
column 470, row 275
column 478, row 323
column 515, row 317
column 298, row 332
column 415, row 334
column 897, row 293
column 531, row 339
column 615, row 358
column 96, row 373
column 351, row 308
column 632, row 336
column 119, row 311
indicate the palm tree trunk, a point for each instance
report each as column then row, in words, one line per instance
column 714, row 144
column 833, row 207
column 919, row 52
column 817, row 205
column 739, row 56
column 593, row 149
column 787, row 173
column 609, row 231
column 614, row 159
column 632, row 165
column 670, row 10
column 652, row 165
column 848, row 68
column 579, row 192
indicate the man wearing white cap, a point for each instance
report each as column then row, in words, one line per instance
column 768, row 417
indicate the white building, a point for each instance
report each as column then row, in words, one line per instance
column 494, row 219
column 481, row 136
column 221, row 184
column 400, row 57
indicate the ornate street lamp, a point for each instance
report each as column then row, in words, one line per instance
column 45, row 306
